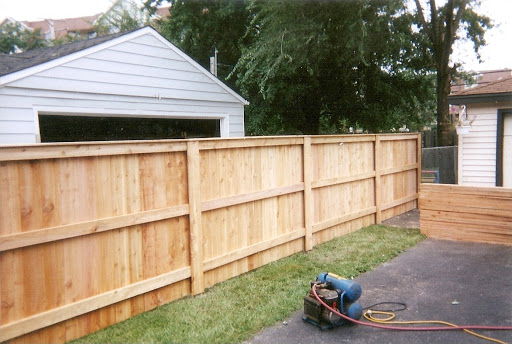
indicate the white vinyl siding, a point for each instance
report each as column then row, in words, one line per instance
column 143, row 76
column 477, row 149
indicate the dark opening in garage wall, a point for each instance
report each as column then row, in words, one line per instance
column 59, row 128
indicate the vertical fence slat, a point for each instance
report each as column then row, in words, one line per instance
column 196, row 235
column 418, row 161
column 377, row 157
column 308, row 196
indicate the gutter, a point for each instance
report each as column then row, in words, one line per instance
column 480, row 98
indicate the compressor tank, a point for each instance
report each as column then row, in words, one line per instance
column 354, row 310
column 352, row 289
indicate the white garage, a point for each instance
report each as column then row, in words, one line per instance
column 485, row 152
column 103, row 88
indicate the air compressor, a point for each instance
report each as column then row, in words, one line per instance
column 338, row 293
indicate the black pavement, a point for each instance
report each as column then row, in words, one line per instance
column 459, row 282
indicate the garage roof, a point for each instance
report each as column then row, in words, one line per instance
column 15, row 62
column 17, row 66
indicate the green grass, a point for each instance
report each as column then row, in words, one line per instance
column 233, row 311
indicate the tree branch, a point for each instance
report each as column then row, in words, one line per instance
column 420, row 13
column 452, row 25
column 458, row 17
column 434, row 21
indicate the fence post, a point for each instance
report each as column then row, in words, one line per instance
column 418, row 168
column 378, row 185
column 308, row 197
column 194, row 201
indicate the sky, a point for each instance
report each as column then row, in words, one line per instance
column 496, row 55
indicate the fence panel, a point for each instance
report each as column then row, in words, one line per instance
column 92, row 234
column 400, row 176
column 466, row 213
column 342, row 185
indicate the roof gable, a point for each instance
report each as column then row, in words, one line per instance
column 17, row 66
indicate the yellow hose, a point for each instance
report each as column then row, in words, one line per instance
column 390, row 315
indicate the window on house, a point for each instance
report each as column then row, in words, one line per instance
column 59, row 128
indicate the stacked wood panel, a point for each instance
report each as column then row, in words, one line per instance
column 467, row 213
column 92, row 234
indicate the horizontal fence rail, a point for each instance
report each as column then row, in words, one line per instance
column 466, row 213
column 94, row 233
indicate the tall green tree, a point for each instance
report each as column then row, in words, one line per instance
column 313, row 67
column 441, row 26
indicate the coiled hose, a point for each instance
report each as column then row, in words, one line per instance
column 401, row 328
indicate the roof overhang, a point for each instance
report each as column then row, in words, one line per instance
column 479, row 98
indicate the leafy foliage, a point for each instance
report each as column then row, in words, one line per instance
column 311, row 67
column 13, row 39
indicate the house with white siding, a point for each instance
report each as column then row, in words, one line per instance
column 104, row 84
column 485, row 152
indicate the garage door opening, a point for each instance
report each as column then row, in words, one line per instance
column 59, row 128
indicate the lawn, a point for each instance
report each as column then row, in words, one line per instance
column 235, row 310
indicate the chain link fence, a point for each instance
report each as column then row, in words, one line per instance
column 439, row 165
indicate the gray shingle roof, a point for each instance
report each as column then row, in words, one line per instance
column 16, row 62
column 496, row 91
column 499, row 86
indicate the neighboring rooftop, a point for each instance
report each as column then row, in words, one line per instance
column 80, row 26
column 498, row 86
column 162, row 12
column 59, row 28
column 482, row 77
column 499, row 90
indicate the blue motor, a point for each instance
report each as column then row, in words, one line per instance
column 338, row 293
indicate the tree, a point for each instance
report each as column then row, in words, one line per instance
column 313, row 67
column 13, row 39
column 310, row 67
column 123, row 15
column 456, row 19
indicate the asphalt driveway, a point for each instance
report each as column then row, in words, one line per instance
column 459, row 282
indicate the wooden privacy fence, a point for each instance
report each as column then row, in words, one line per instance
column 467, row 213
column 92, row 234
